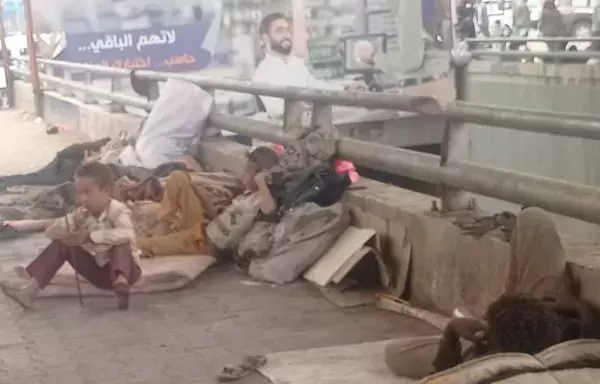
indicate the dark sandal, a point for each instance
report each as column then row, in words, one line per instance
column 8, row 232
column 236, row 372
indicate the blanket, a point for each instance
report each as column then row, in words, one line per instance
column 348, row 364
column 571, row 362
column 574, row 362
column 60, row 170
column 160, row 274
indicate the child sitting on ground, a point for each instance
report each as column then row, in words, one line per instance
column 97, row 239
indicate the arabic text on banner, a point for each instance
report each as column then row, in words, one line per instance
column 177, row 48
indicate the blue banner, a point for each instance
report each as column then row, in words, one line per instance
column 167, row 49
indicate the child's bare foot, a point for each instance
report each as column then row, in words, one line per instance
column 22, row 292
column 21, row 272
column 121, row 290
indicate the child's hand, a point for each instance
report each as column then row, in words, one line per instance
column 76, row 239
column 263, row 177
column 468, row 328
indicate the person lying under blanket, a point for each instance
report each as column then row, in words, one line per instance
column 171, row 219
column 176, row 225
column 97, row 239
column 285, row 221
column 540, row 306
column 54, row 202
column 35, row 202
column 60, row 170
column 168, row 220
column 227, row 229
column 173, row 226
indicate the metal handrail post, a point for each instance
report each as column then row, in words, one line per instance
column 455, row 144
column 33, row 64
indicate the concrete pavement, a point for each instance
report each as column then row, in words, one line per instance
column 179, row 337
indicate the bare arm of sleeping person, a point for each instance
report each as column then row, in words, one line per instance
column 449, row 352
column 268, row 204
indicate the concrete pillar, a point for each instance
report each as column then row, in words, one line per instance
column 360, row 23
column 409, row 26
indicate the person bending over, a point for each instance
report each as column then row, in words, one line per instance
column 97, row 239
column 518, row 323
column 540, row 306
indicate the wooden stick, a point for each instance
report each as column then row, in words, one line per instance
column 394, row 304
column 77, row 282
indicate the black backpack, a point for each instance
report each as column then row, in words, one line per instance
column 321, row 185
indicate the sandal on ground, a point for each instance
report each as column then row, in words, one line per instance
column 8, row 231
column 248, row 366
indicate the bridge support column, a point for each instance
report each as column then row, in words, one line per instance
column 455, row 145
column 33, row 63
column 115, row 87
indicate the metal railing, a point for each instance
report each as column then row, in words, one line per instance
column 573, row 200
column 560, row 39
column 527, row 120
column 554, row 54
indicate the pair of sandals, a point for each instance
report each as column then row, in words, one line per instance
column 249, row 365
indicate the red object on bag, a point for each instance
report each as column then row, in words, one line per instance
column 278, row 148
column 342, row 166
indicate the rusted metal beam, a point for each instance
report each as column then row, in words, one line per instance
column 552, row 123
column 33, row 64
column 514, row 119
column 424, row 105
column 563, row 198
column 116, row 72
column 455, row 146
column 461, row 107
column 116, row 97
column 98, row 69
column 559, row 197
column 529, row 111
column 542, row 55
column 573, row 200
column 534, row 40
column 419, row 104
column 262, row 130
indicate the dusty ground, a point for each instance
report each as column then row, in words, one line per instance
column 182, row 337
column 24, row 145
